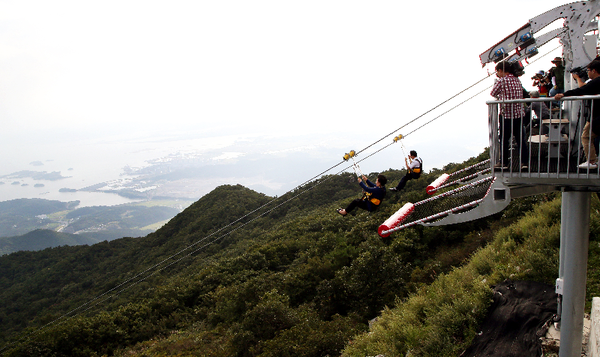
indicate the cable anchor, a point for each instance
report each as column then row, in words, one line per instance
column 355, row 166
column 397, row 139
column 349, row 155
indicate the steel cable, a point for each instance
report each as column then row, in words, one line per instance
column 124, row 285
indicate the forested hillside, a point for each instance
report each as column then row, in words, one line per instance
column 293, row 278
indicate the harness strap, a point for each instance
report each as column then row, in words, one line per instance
column 417, row 170
column 373, row 200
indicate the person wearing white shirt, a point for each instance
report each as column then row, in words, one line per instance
column 414, row 167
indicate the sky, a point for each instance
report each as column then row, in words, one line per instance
column 98, row 85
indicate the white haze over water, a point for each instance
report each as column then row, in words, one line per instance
column 266, row 93
column 82, row 164
column 246, row 159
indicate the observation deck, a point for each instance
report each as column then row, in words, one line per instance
column 553, row 144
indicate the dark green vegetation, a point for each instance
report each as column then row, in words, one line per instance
column 35, row 224
column 299, row 280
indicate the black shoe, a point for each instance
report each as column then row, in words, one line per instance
column 393, row 189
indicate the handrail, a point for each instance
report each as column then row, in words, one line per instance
column 544, row 99
column 538, row 151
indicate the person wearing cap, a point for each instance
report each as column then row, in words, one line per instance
column 539, row 108
column 557, row 76
column 541, row 82
column 541, row 111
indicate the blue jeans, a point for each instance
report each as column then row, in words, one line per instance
column 554, row 91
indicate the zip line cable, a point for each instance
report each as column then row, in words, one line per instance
column 105, row 296
column 266, row 204
column 444, row 113
column 446, row 101
column 425, row 113
column 99, row 299
column 448, row 111
column 192, row 252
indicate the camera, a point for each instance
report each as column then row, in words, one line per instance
column 581, row 72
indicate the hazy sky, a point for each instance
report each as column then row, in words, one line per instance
column 76, row 75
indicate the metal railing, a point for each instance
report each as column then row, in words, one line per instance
column 545, row 146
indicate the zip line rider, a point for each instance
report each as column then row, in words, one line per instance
column 372, row 197
column 413, row 169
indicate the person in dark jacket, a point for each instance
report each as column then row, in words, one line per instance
column 590, row 131
column 541, row 111
column 372, row 197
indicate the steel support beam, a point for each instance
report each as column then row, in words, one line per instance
column 575, row 225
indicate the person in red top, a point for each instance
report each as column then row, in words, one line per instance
column 508, row 87
column 541, row 81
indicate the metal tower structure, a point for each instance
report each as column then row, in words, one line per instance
column 554, row 153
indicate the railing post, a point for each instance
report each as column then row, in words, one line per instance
column 493, row 132
column 552, row 152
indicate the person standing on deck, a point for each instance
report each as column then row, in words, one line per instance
column 590, row 131
column 509, row 87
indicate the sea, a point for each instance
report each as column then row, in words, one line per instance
column 78, row 165
column 270, row 165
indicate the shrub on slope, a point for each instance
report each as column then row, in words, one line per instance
column 442, row 319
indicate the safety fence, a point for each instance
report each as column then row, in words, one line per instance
column 550, row 141
column 456, row 200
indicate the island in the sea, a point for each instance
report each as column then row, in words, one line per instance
column 64, row 189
